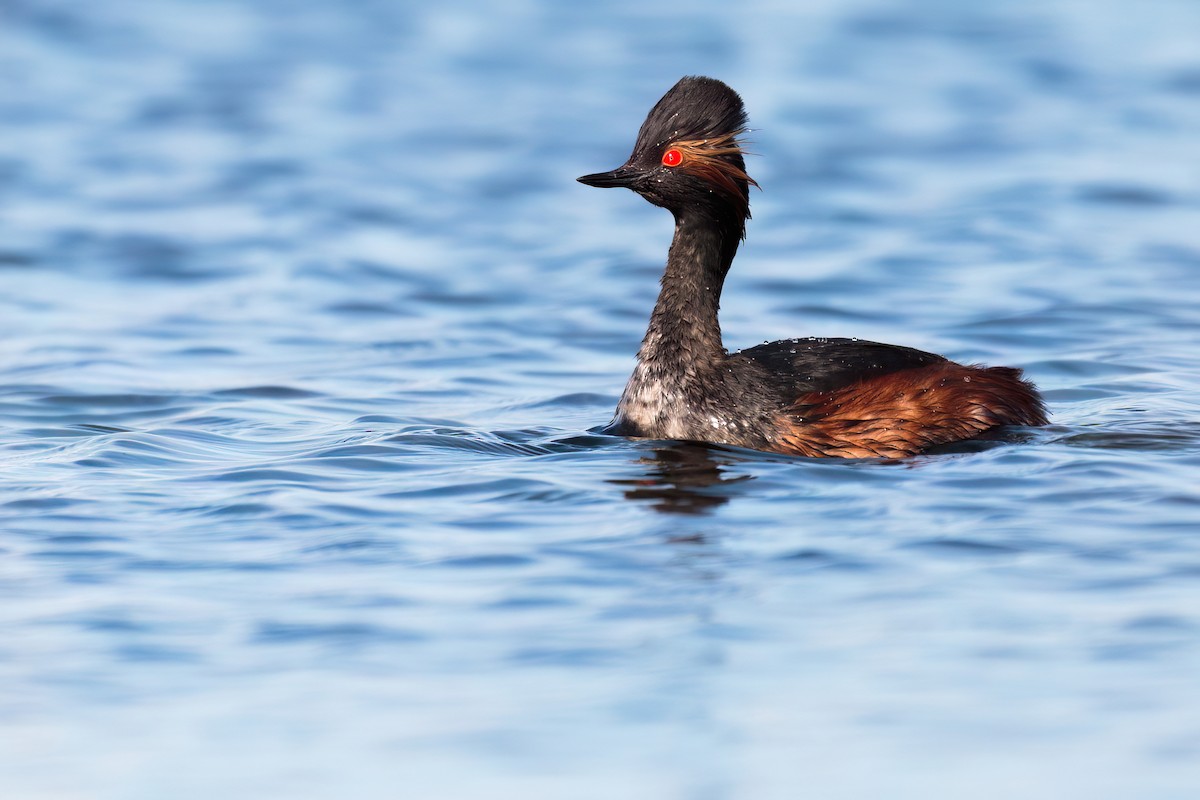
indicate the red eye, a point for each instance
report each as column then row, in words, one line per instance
column 672, row 158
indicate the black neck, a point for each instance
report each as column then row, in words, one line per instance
column 684, row 334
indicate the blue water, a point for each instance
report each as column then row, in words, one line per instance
column 304, row 326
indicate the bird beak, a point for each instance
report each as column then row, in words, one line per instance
column 621, row 176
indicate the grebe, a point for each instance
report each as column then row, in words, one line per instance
column 812, row 397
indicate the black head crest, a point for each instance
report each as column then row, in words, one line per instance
column 688, row 155
column 695, row 108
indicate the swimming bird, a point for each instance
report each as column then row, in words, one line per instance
column 819, row 397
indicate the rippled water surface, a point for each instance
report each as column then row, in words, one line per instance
column 305, row 329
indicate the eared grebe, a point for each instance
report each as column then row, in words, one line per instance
column 810, row 397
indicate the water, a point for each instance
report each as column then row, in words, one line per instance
column 304, row 324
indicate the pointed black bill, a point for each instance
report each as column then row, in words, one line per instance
column 621, row 176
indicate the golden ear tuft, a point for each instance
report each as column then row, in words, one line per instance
column 703, row 158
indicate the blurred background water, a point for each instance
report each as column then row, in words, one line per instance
column 304, row 324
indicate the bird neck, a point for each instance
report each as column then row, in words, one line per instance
column 684, row 335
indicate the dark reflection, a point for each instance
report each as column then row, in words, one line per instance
column 683, row 478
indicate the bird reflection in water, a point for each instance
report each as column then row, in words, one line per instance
column 683, row 478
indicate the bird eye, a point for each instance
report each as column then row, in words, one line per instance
column 672, row 158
